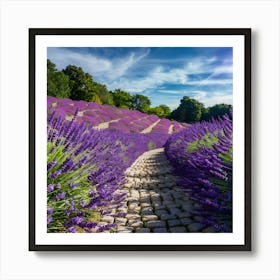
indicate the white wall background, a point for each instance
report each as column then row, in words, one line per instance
column 16, row 262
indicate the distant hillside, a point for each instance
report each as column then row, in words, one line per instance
column 105, row 116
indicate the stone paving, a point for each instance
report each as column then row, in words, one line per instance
column 155, row 203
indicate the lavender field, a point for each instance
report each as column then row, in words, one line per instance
column 105, row 116
column 118, row 170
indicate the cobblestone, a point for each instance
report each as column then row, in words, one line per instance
column 155, row 203
column 195, row 227
column 142, row 230
column 186, row 221
column 165, row 217
column 173, row 223
column 149, row 218
column 135, row 223
column 121, row 221
column 178, row 229
column 160, row 230
column 155, row 224
column 107, row 219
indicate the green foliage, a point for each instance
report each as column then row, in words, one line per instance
column 141, row 103
column 57, row 82
column 121, row 98
column 156, row 111
column 190, row 110
column 74, row 83
column 105, row 96
column 228, row 156
column 207, row 140
column 205, row 114
column 162, row 111
column 95, row 98
column 165, row 109
column 216, row 111
column 61, row 184
column 81, row 84
column 51, row 66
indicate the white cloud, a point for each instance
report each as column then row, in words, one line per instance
column 160, row 75
column 98, row 67
column 205, row 66
column 121, row 65
column 210, row 82
column 113, row 72
column 212, row 98
column 169, row 91
column 223, row 69
column 62, row 58
column 154, row 78
column 167, row 100
column 201, row 65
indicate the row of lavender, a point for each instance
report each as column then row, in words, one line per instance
column 85, row 171
column 202, row 156
column 125, row 120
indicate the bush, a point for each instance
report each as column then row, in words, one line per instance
column 202, row 155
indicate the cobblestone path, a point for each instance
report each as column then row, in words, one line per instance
column 155, row 203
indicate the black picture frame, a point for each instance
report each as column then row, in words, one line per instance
column 33, row 32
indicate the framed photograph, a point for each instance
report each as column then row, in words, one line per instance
column 140, row 139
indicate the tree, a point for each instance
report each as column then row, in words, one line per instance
column 216, row 111
column 57, row 82
column 162, row 111
column 121, row 98
column 165, row 109
column 81, row 84
column 95, row 98
column 205, row 114
column 219, row 110
column 51, row 66
column 156, row 111
column 105, row 96
column 140, row 102
column 189, row 110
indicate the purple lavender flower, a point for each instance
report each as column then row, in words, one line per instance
column 88, row 225
column 73, row 221
column 50, row 210
column 108, row 152
column 105, row 211
column 206, row 169
column 49, row 219
column 82, row 203
column 55, row 174
column 52, row 150
column 73, row 185
column 50, row 188
column 51, row 165
column 72, row 229
column 106, row 227
column 59, row 196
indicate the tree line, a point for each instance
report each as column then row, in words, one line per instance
column 72, row 82
column 190, row 111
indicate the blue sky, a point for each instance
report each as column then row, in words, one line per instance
column 163, row 74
